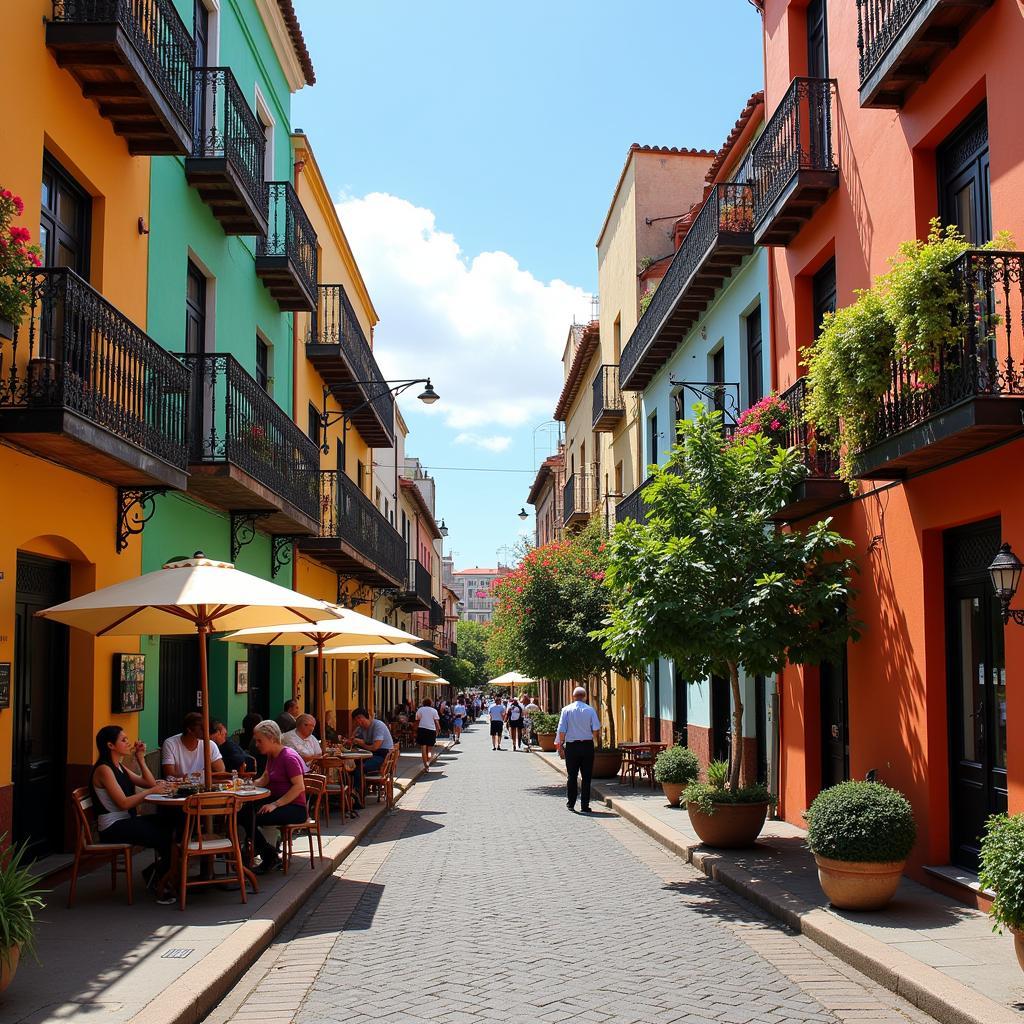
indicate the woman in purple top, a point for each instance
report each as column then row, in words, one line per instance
column 283, row 776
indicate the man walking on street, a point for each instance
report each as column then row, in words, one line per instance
column 496, row 713
column 578, row 731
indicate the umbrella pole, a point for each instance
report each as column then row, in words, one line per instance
column 319, row 703
column 204, row 689
column 371, row 695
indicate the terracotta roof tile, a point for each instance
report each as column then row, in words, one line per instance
column 291, row 19
column 588, row 342
column 756, row 100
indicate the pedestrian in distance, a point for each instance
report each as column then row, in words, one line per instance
column 497, row 715
column 528, row 712
column 578, row 731
column 514, row 718
column 428, row 721
column 459, row 718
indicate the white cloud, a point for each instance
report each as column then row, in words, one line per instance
column 489, row 333
column 491, row 443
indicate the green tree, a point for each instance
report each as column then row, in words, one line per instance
column 548, row 611
column 460, row 672
column 472, row 640
column 709, row 580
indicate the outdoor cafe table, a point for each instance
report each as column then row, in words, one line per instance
column 652, row 747
column 243, row 796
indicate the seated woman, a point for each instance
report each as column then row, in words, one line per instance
column 283, row 776
column 117, row 793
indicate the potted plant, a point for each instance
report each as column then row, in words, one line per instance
column 1002, row 854
column 545, row 728
column 726, row 816
column 20, row 899
column 860, row 834
column 17, row 257
column 676, row 768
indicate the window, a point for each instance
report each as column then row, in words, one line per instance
column 817, row 40
column 266, row 119
column 360, row 474
column 963, row 166
column 263, row 364
column 718, row 376
column 755, row 364
column 64, row 217
column 313, row 427
column 617, row 338
column 618, row 478
column 377, row 502
column 652, row 438
column 195, row 310
column 823, row 291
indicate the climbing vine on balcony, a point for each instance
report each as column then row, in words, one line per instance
column 909, row 315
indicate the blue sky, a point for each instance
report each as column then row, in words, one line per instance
column 473, row 149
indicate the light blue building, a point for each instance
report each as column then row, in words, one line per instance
column 704, row 339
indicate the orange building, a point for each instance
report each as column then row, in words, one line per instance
column 881, row 117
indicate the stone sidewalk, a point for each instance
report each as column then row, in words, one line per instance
column 940, row 954
column 108, row 962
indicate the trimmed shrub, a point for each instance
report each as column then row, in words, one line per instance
column 861, row 821
column 1002, row 868
column 676, row 765
column 542, row 722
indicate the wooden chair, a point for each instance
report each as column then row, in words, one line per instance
column 200, row 840
column 338, row 778
column 383, row 781
column 316, row 787
column 87, row 848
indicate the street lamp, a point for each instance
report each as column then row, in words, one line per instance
column 523, row 514
column 428, row 396
column 1005, row 572
column 442, row 529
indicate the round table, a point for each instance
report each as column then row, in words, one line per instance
column 350, row 755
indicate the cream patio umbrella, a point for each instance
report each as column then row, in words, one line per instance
column 406, row 670
column 194, row 595
column 510, row 679
column 359, row 651
column 347, row 628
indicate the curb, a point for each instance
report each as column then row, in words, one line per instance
column 190, row 998
column 944, row 998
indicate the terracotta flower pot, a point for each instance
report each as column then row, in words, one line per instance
column 673, row 792
column 8, row 965
column 1018, row 946
column 859, row 885
column 607, row 763
column 731, row 827
column 546, row 741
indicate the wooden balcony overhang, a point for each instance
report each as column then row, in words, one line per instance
column 76, row 442
column 410, row 601
column 890, row 73
column 225, row 486
column 608, row 419
column 112, row 73
column 804, row 194
column 811, row 497
column 331, row 364
column 221, row 187
column 285, row 283
column 962, row 429
column 344, row 558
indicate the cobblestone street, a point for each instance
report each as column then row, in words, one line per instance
column 481, row 898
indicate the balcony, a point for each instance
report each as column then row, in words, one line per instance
column 436, row 614
column 338, row 348
column 134, row 59
column 633, row 505
column 901, row 42
column 414, row 592
column 609, row 408
column 577, row 499
column 793, row 162
column 977, row 398
column 81, row 385
column 719, row 238
column 226, row 165
column 246, row 453
column 821, row 488
column 286, row 258
column 354, row 539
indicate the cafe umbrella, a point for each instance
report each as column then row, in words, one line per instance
column 192, row 595
column 510, row 679
column 346, row 627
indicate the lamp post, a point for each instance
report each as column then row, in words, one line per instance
column 523, row 514
column 1005, row 573
column 428, row 396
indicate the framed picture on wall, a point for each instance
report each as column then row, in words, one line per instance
column 128, row 693
column 241, row 677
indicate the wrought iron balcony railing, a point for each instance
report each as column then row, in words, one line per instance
column 233, row 420
column 436, row 614
column 718, row 239
column 338, row 348
column 577, row 497
column 820, row 460
column 609, row 407
column 286, row 258
column 793, row 162
column 981, row 375
column 633, row 505
column 348, row 515
column 901, row 42
column 228, row 154
column 75, row 352
column 417, row 583
column 135, row 59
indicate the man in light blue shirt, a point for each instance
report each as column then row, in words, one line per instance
column 579, row 729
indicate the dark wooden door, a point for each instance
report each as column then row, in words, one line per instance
column 40, row 706
column 655, row 711
column 817, row 39
column 761, row 699
column 963, row 167
column 65, row 212
column 680, row 711
column 755, row 358
column 180, row 687
column 721, row 722
column 835, row 730
column 977, row 689
column 259, row 678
